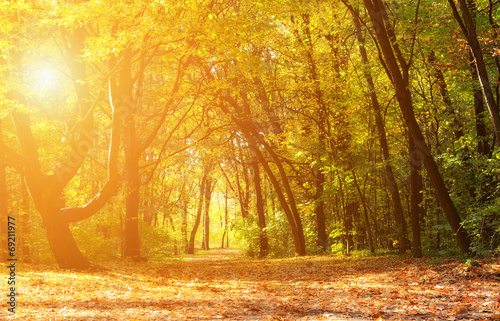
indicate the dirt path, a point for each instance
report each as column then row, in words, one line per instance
column 217, row 254
column 224, row 285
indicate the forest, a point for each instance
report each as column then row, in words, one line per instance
column 146, row 129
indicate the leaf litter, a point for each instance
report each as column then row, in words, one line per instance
column 222, row 287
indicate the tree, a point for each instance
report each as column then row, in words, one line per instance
column 376, row 11
column 468, row 28
column 389, row 173
column 203, row 182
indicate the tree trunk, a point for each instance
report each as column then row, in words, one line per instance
column 319, row 210
column 46, row 190
column 389, row 174
column 243, row 195
column 416, row 197
column 184, row 223
column 132, row 244
column 255, row 140
column 226, row 213
column 49, row 203
column 467, row 25
column 347, row 219
column 25, row 218
column 365, row 213
column 190, row 248
column 443, row 92
column 323, row 125
column 261, row 217
column 206, row 217
column 403, row 95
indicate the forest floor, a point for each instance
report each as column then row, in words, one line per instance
column 224, row 285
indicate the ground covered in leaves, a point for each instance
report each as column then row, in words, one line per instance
column 230, row 287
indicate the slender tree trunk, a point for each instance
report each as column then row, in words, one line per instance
column 403, row 95
column 295, row 225
column 389, row 174
column 261, row 218
column 319, row 210
column 184, row 224
column 322, row 130
column 243, row 195
column 443, row 92
column 190, row 249
column 226, row 213
column 365, row 213
column 347, row 219
column 416, row 197
column 206, row 217
column 255, row 140
column 483, row 147
column 467, row 25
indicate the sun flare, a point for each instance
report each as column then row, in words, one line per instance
column 45, row 79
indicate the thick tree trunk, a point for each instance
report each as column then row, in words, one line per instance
column 403, row 95
column 261, row 217
column 25, row 219
column 49, row 201
column 132, row 244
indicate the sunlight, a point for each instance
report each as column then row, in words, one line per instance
column 45, row 79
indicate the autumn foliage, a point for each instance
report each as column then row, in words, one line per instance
column 224, row 285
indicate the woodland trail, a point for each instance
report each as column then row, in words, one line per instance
column 224, row 285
